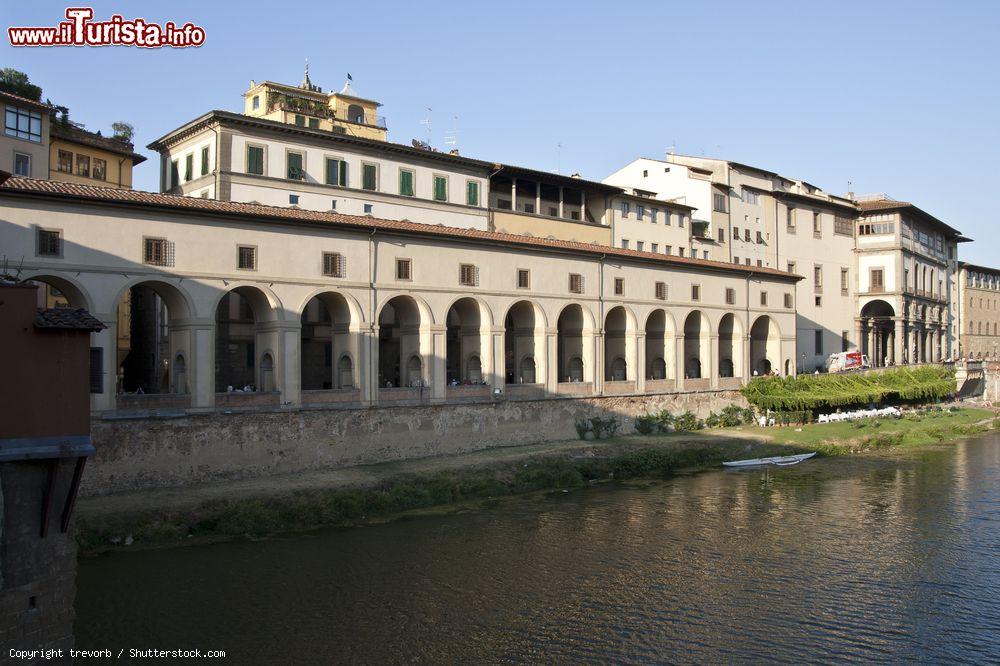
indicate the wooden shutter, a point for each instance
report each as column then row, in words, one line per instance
column 661, row 291
column 342, row 174
column 97, row 370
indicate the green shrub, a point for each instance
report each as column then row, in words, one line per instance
column 688, row 421
column 713, row 421
column 648, row 424
column 597, row 427
column 834, row 390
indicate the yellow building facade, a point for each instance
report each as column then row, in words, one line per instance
column 87, row 158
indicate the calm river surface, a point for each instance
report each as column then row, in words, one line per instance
column 833, row 560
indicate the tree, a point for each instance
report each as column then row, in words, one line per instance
column 123, row 131
column 17, row 83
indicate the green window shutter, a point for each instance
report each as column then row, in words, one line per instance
column 255, row 160
column 204, row 161
column 440, row 189
column 295, row 166
column 406, row 183
column 342, row 173
column 174, row 175
column 188, row 167
column 368, row 177
column 472, row 197
column 331, row 171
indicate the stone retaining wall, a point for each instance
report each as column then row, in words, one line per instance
column 147, row 453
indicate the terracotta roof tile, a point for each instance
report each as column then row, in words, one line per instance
column 76, row 319
column 23, row 100
column 182, row 204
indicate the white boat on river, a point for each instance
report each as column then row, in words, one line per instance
column 780, row 461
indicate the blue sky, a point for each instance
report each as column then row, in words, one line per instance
column 896, row 97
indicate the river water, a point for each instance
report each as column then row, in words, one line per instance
column 832, row 560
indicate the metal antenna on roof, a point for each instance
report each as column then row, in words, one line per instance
column 426, row 122
column 451, row 138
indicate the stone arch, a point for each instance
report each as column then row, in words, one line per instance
column 260, row 298
column 356, row 113
column 524, row 340
column 403, row 335
column 730, row 346
column 697, row 337
column 241, row 336
column 468, row 322
column 877, row 332
column 619, row 344
column 660, row 345
column 330, row 330
column 69, row 291
column 574, row 343
column 765, row 345
column 144, row 310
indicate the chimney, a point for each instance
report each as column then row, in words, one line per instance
column 575, row 175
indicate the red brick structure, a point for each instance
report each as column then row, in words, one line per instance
column 44, row 442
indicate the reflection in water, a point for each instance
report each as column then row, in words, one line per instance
column 836, row 559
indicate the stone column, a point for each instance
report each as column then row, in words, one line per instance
column 713, row 360
column 898, row 340
column 497, row 376
column 107, row 340
column 679, row 362
column 860, row 339
column 551, row 351
column 640, row 362
column 371, row 368
column 513, row 194
column 438, row 362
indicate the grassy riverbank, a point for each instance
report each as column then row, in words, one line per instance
column 392, row 489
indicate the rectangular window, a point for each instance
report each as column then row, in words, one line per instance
column 335, row 172
column 759, row 263
column 625, row 209
column 83, row 165
column 763, row 298
column 624, row 243
column 472, row 193
column 844, row 281
column 157, row 252
column 256, row 102
column 575, row 283
column 877, row 281
column 293, row 199
column 730, row 296
column 751, row 197
column 640, row 212
column 404, row 269
column 817, row 224
column 819, row 342
column 680, row 220
column 100, row 170
column 666, row 218
column 661, row 291
column 719, row 202
column 640, row 246
column 523, row 278
column 736, row 233
column 791, row 266
column 369, row 209
column 369, row 177
column 406, row 182
column 668, row 249
column 468, row 275
column 653, row 214
column 528, row 208
column 334, row 265
column 695, row 292
column 722, row 235
column 314, row 123
column 64, row 161
column 680, row 251
column 736, row 260
column 296, row 166
column 843, row 226
column 23, row 124
column 97, row 369
column 247, row 257
column 22, row 165
column 788, row 300
column 255, row 160
column 760, row 238
column 440, row 188
column 188, row 166
column 790, row 220
column 619, row 286
column 300, row 120
column 818, row 278
column 819, row 301
column 704, row 254
column 845, row 341
column 204, row 161
column 49, row 243
column 175, row 176
column 654, row 247
column 746, row 235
